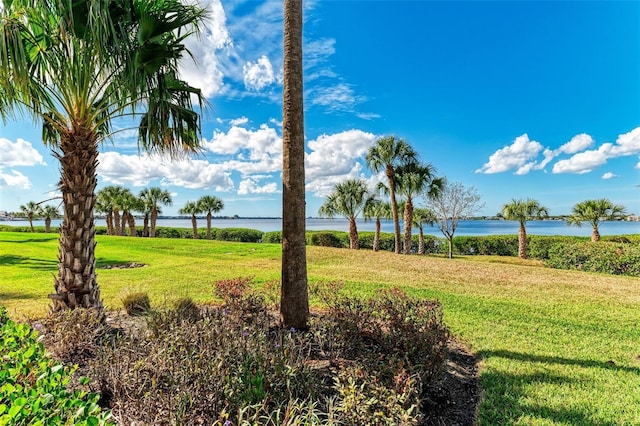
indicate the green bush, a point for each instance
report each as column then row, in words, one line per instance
column 602, row 256
column 367, row 237
column 33, row 387
column 338, row 239
column 539, row 245
column 496, row 245
column 242, row 235
column 273, row 237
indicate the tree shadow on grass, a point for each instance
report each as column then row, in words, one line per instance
column 28, row 262
column 504, row 393
column 29, row 240
column 12, row 295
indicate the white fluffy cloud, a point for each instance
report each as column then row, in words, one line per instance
column 14, row 179
column 250, row 186
column 334, row 158
column 586, row 161
column 255, row 145
column 142, row 170
column 609, row 175
column 520, row 154
column 239, row 121
column 19, row 153
column 523, row 154
column 258, row 75
column 207, row 73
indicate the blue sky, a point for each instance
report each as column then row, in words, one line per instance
column 518, row 99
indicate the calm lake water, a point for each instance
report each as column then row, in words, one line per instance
column 465, row 227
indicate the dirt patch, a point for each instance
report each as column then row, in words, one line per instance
column 123, row 265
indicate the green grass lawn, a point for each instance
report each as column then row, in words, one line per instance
column 556, row 347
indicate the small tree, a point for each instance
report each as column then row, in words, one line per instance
column 152, row 197
column 594, row 212
column 347, row 199
column 49, row 212
column 210, row 204
column 31, row 211
column 422, row 217
column 192, row 208
column 522, row 211
column 377, row 209
column 452, row 204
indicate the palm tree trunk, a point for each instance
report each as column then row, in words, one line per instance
column 421, row 248
column 145, row 225
column 76, row 284
column 123, row 223
column 376, row 238
column 194, row 226
column 208, row 225
column 354, row 242
column 154, row 217
column 394, row 211
column 47, row 225
column 109, row 220
column 30, row 217
column 132, row 225
column 595, row 235
column 522, row 242
column 294, row 301
column 408, row 221
column 116, row 222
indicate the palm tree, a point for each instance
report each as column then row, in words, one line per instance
column 192, row 208
column 594, row 212
column 31, row 211
column 387, row 155
column 347, row 199
column 49, row 212
column 76, row 65
column 294, row 301
column 412, row 180
column 109, row 200
column 522, row 211
column 421, row 217
column 210, row 204
column 153, row 197
column 129, row 203
column 376, row 209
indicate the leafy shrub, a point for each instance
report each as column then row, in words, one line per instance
column 186, row 308
column 539, row 245
column 33, row 387
column 273, row 237
column 337, row 239
column 602, row 256
column 243, row 235
column 362, row 362
column 136, row 303
column 496, row 245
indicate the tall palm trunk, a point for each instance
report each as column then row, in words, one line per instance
column 354, row 242
column 421, row 247
column 145, row 225
column 47, row 225
column 595, row 235
column 522, row 242
column 294, row 301
column 154, row 217
column 76, row 284
column 116, row 222
column 208, row 225
column 194, row 226
column 131, row 220
column 123, row 223
column 109, row 220
column 408, row 221
column 376, row 238
column 30, row 218
column 394, row 210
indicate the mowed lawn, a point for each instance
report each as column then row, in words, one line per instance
column 556, row 347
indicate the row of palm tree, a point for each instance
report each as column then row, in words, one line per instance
column 590, row 211
column 208, row 204
column 407, row 179
column 33, row 210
